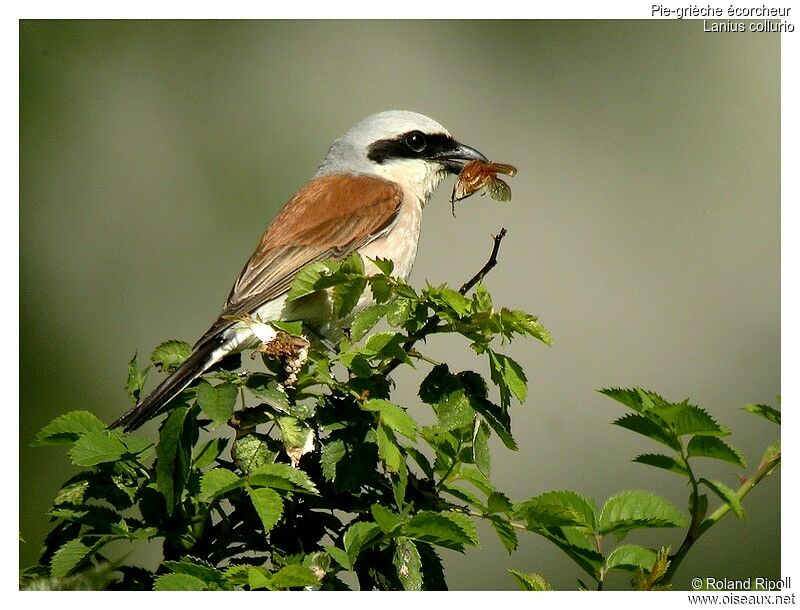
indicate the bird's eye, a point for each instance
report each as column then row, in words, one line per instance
column 415, row 141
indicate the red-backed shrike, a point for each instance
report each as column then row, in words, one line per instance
column 367, row 196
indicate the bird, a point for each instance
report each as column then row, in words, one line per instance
column 367, row 196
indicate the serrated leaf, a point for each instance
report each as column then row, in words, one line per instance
column 385, row 265
column 67, row 558
column 365, row 320
column 448, row 396
column 293, row 328
column 268, row 505
column 218, row 401
column 332, row 452
column 393, row 416
column 178, row 582
column 209, row 452
column 135, row 380
column 663, row 461
column 764, row 411
column 94, row 448
column 170, row 355
column 388, row 449
column 386, row 519
column 399, row 311
column 630, row 557
column 646, row 427
column 306, row 280
column 282, row 476
column 293, row 576
column 202, row 570
column 356, row 536
column 266, row 389
column 507, row 373
column 251, row 451
column 174, row 456
column 386, row 345
column 408, row 564
column 460, row 304
column 530, row 581
column 684, row 419
column 727, row 495
column 480, row 447
column 218, row 482
column 638, row 509
column 713, row 447
column 506, row 533
column 71, row 493
column 339, row 556
column 449, row 529
column 554, row 508
column 67, row 428
column 498, row 502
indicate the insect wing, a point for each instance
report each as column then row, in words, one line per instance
column 498, row 190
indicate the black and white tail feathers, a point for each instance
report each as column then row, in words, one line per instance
column 195, row 365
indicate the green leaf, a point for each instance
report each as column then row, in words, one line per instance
column 449, row 529
column 460, row 304
column 507, row 373
column 67, row 558
column 306, row 280
column 268, row 505
column 339, row 556
column 498, row 502
column 638, row 509
column 386, row 519
column 385, row 265
column 174, row 456
column 385, row 345
column 293, row 576
column 178, row 582
column 298, row 437
column 346, row 295
column 266, row 389
column 282, row 476
column 712, row 447
column 506, row 533
column 72, row 493
column 646, row 427
column 393, row 416
column 357, row 535
column 209, row 452
column 448, row 396
column 764, row 411
column 480, row 447
column 294, row 328
column 689, row 419
column 365, row 320
column 408, row 564
column 666, row 462
column 202, row 570
column 135, row 380
column 251, row 451
column 398, row 311
column 67, row 428
column 218, row 482
column 727, row 495
column 630, row 557
column 170, row 355
column 218, row 401
column 555, row 508
column 95, row 448
column 530, row 581
column 388, row 449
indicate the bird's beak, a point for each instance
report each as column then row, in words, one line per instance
column 458, row 156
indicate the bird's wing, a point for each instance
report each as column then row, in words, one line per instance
column 332, row 216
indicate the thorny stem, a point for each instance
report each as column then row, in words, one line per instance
column 433, row 322
column 764, row 469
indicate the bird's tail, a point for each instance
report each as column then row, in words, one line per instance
column 195, row 365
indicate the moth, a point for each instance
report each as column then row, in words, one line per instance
column 476, row 175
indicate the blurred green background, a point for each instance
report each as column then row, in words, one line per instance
column 643, row 230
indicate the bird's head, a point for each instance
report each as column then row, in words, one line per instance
column 404, row 147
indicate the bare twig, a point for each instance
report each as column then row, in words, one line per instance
column 490, row 264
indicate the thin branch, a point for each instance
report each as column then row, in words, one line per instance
column 490, row 264
column 433, row 322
